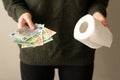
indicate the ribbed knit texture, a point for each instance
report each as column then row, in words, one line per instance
column 60, row 16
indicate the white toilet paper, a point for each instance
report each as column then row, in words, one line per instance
column 92, row 33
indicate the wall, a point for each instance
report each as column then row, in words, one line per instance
column 9, row 66
column 107, row 66
column 107, row 61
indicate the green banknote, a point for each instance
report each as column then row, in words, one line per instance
column 24, row 33
column 27, row 38
column 46, row 37
column 30, row 42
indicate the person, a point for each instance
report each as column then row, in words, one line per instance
column 74, row 60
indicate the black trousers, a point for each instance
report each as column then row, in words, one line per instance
column 31, row 72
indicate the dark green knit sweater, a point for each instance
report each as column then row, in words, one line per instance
column 60, row 16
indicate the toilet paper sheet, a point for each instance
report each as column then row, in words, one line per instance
column 92, row 33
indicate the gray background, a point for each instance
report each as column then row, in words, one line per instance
column 107, row 65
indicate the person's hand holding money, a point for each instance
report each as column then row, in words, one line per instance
column 26, row 19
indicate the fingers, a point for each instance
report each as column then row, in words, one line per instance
column 21, row 22
column 26, row 19
column 104, row 22
column 30, row 23
column 102, row 19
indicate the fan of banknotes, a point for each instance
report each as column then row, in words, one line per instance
column 28, row 38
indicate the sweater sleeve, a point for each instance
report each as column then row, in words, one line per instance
column 15, row 8
column 98, row 6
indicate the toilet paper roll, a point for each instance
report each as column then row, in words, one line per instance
column 92, row 33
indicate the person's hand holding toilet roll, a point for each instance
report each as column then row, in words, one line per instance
column 91, row 31
column 102, row 19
